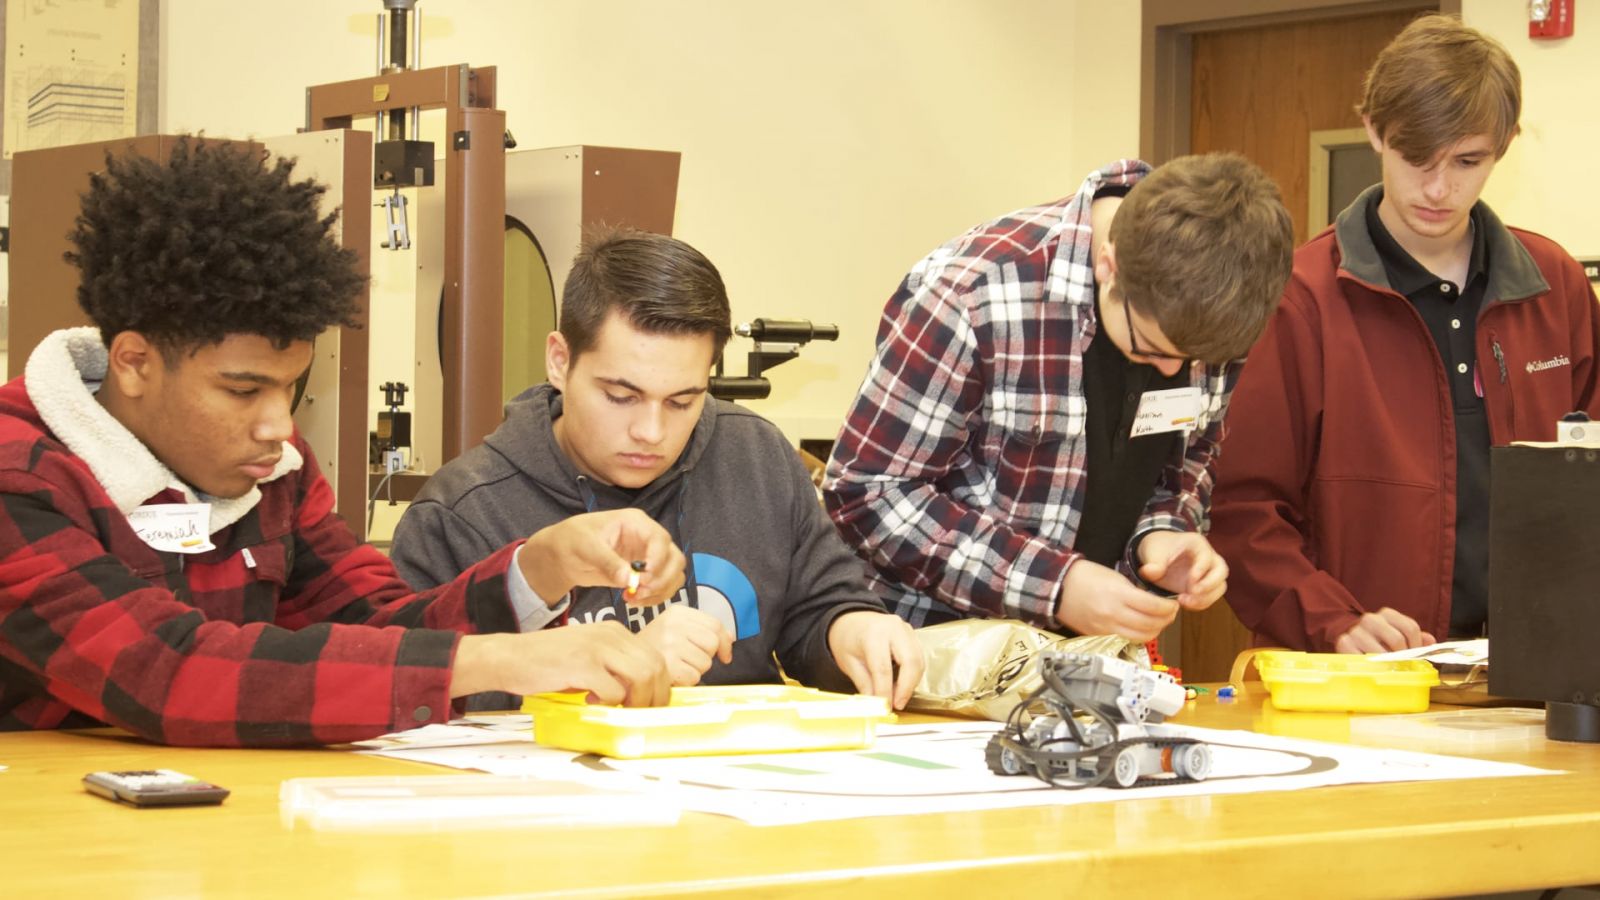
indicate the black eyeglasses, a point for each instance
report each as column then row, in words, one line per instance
column 1133, row 340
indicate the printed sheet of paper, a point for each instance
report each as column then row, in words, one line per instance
column 1446, row 653
column 914, row 769
column 468, row 730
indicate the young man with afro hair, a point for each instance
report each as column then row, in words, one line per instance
column 170, row 562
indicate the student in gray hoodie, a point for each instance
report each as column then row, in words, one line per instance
column 626, row 421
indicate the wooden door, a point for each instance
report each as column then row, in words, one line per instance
column 1261, row 92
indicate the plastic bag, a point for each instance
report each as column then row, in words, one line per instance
column 982, row 668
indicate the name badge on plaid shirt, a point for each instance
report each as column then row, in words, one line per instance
column 1174, row 409
column 174, row 527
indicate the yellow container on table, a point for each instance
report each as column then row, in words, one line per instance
column 707, row 720
column 1343, row 682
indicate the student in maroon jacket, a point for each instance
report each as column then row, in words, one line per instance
column 170, row 562
column 1416, row 332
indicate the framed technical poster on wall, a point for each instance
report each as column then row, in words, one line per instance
column 74, row 72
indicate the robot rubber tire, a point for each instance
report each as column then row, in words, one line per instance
column 1000, row 759
column 1125, row 767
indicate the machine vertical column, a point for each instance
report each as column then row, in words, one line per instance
column 474, row 267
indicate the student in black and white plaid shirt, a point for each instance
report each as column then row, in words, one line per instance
column 1018, row 359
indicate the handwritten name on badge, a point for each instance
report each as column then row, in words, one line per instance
column 174, row 527
column 1174, row 409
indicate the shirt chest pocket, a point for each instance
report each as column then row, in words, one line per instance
column 244, row 586
column 1033, row 462
column 1027, row 417
column 267, row 563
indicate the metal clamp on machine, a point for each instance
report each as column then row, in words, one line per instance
column 776, row 341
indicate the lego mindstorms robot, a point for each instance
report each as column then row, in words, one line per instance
column 1100, row 726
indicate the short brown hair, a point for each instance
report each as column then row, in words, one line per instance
column 1204, row 246
column 659, row 285
column 1437, row 82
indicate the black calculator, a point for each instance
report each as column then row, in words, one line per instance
column 153, row 787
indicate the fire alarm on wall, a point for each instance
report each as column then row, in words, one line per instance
column 1549, row 19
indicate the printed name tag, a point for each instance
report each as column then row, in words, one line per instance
column 1174, row 409
column 174, row 527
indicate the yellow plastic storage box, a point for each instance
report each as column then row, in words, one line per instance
column 710, row 720
column 1345, row 682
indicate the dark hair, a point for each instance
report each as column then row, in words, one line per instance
column 211, row 243
column 1204, row 246
column 1438, row 82
column 659, row 284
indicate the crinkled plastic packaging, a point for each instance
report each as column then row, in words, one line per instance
column 982, row 668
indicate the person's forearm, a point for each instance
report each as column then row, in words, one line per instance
column 476, row 668
column 542, row 576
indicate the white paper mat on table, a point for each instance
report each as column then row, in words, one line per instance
column 914, row 769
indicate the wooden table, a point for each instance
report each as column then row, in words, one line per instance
column 1392, row 839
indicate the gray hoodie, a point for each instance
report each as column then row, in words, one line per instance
column 763, row 556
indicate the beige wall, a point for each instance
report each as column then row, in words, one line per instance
column 1105, row 76
column 826, row 145
column 1542, row 183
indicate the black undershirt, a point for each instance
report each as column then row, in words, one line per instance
column 1120, row 474
column 1452, row 319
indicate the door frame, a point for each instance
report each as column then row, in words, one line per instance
column 1323, row 143
column 1166, row 29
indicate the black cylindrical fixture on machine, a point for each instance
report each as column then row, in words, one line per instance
column 397, row 38
column 397, row 63
column 740, row 387
column 794, row 330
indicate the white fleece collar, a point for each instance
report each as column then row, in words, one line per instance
column 61, row 376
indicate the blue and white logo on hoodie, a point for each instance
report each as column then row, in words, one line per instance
column 727, row 594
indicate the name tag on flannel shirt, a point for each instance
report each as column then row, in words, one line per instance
column 1174, row 409
column 174, row 527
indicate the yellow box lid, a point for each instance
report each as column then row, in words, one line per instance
column 710, row 720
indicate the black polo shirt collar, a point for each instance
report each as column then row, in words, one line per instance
column 1407, row 276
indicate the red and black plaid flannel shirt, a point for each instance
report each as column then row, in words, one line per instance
column 289, row 632
column 959, row 473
